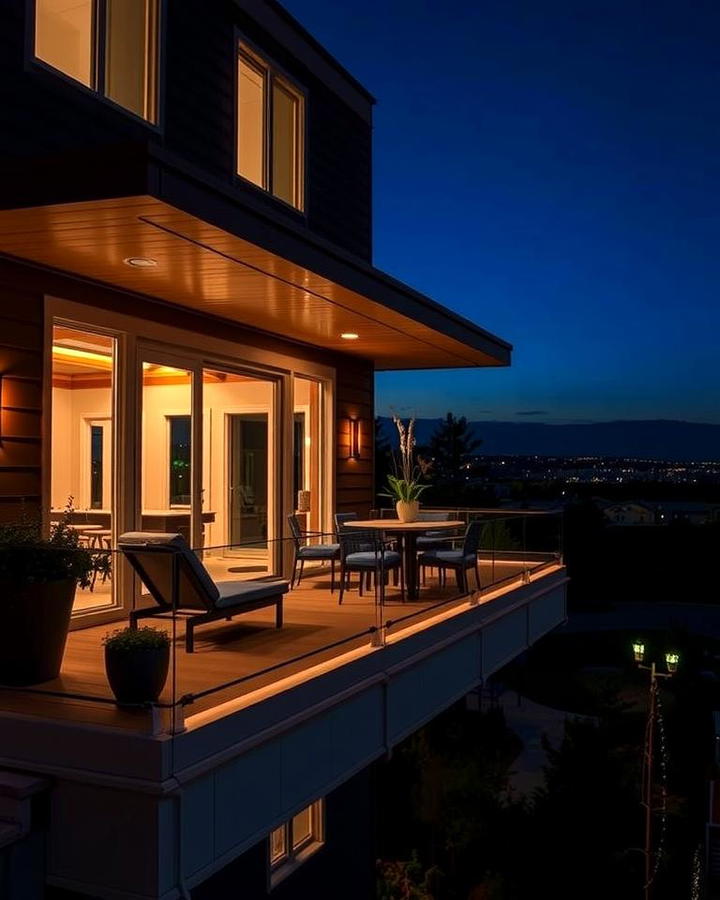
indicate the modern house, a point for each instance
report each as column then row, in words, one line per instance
column 190, row 323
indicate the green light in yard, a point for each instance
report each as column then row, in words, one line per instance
column 638, row 651
column 671, row 661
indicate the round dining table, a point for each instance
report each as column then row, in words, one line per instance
column 408, row 532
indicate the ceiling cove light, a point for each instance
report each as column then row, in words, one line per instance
column 349, row 336
column 140, row 262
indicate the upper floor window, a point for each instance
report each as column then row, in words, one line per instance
column 110, row 46
column 270, row 129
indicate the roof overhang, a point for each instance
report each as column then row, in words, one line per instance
column 226, row 259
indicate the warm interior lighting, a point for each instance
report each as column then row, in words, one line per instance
column 140, row 262
column 638, row 651
column 354, row 439
column 671, row 661
column 349, row 336
column 88, row 355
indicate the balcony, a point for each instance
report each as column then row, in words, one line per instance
column 260, row 722
column 247, row 660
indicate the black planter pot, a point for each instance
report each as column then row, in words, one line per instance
column 34, row 629
column 137, row 676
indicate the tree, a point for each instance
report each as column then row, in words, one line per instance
column 452, row 448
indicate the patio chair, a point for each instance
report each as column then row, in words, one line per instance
column 311, row 552
column 179, row 583
column 458, row 561
column 434, row 540
column 378, row 561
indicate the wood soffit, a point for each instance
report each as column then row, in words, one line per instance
column 207, row 269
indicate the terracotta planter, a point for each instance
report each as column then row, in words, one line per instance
column 35, row 623
column 407, row 510
column 137, row 676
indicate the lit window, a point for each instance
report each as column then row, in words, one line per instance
column 294, row 841
column 118, row 60
column 180, row 459
column 269, row 129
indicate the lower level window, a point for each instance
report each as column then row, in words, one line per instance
column 296, row 840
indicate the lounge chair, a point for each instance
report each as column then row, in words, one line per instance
column 180, row 583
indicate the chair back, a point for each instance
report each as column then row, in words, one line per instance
column 341, row 519
column 295, row 530
column 357, row 540
column 471, row 541
column 433, row 517
column 153, row 556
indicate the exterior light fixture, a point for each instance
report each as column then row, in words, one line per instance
column 349, row 336
column 638, row 651
column 671, row 661
column 353, row 439
column 140, row 262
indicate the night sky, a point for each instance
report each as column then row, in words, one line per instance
column 551, row 170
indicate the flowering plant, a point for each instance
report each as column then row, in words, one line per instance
column 405, row 484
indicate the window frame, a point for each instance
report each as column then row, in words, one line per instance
column 295, row 856
column 245, row 49
column 37, row 66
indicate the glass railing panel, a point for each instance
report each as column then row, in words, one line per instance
column 277, row 628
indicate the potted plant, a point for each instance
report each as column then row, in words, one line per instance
column 404, row 487
column 136, row 663
column 38, row 578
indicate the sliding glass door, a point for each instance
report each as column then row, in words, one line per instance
column 241, row 483
column 309, row 454
column 82, row 461
column 166, row 447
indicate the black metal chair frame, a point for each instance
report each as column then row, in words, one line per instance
column 460, row 569
column 355, row 540
column 298, row 535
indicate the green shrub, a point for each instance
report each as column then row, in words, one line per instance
column 126, row 640
column 27, row 557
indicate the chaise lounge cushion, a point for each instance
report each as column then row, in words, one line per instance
column 235, row 593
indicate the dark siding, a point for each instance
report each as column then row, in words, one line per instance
column 44, row 119
column 21, row 364
column 41, row 114
column 355, row 399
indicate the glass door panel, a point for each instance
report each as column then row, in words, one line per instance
column 166, row 449
column 82, row 475
column 240, row 482
column 308, row 442
column 248, row 479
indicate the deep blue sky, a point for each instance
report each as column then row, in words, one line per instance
column 550, row 170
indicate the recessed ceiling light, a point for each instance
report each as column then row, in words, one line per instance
column 349, row 336
column 140, row 262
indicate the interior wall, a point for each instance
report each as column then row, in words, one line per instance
column 72, row 407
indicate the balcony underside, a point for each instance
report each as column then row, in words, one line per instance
column 217, row 258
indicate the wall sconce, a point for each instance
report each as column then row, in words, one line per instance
column 353, row 438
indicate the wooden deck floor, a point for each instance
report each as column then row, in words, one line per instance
column 244, row 648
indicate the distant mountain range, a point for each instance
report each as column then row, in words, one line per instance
column 640, row 439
